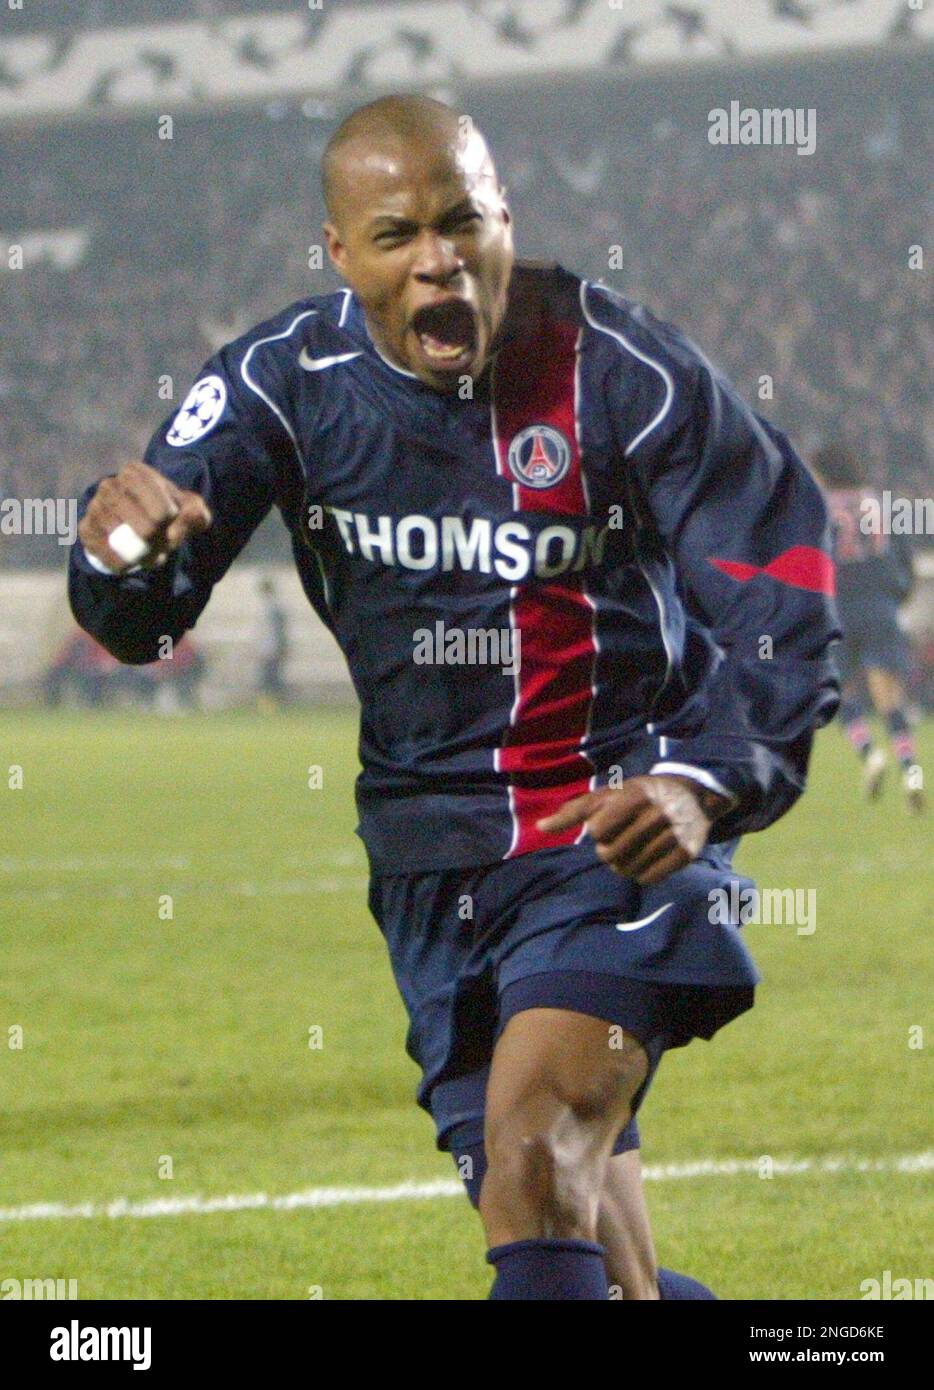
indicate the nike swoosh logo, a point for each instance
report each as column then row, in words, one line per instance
column 318, row 364
column 643, row 921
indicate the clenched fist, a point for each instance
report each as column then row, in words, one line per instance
column 647, row 828
column 156, row 512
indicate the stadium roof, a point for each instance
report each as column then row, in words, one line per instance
column 242, row 51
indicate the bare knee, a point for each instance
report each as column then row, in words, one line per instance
column 542, row 1181
column 560, row 1090
column 547, row 1156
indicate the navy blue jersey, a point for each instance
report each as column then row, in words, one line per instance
column 599, row 490
column 874, row 569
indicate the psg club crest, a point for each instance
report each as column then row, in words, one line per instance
column 203, row 407
column 539, row 456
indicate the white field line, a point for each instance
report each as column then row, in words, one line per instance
column 278, row 888
column 316, row 1197
column 119, row 860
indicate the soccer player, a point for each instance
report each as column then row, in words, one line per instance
column 468, row 449
column 273, row 646
column 875, row 576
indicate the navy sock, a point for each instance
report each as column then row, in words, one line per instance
column 900, row 730
column 855, row 726
column 673, row 1286
column 549, row 1269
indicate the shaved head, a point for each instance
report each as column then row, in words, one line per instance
column 419, row 227
column 376, row 135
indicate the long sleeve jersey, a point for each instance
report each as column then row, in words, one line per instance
column 592, row 562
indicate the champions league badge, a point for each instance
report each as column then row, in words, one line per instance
column 539, row 456
column 203, row 407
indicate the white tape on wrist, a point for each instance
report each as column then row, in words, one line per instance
column 98, row 564
column 124, row 542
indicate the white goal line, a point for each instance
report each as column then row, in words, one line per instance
column 316, row 1197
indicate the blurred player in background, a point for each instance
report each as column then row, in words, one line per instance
column 273, row 644
column 874, row 577
column 85, row 670
column 496, row 447
column 82, row 669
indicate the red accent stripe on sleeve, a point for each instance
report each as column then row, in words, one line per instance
column 801, row 567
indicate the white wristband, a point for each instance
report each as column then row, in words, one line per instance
column 98, row 564
column 697, row 774
column 124, row 542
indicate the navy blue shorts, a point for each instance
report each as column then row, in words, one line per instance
column 554, row 929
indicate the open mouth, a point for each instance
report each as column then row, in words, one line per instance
column 446, row 332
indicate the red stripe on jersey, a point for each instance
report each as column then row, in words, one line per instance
column 541, row 751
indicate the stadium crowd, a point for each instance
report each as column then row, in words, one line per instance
column 778, row 265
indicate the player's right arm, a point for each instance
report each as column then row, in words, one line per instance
column 210, row 476
column 147, row 505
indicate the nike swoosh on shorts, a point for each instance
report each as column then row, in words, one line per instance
column 643, row 921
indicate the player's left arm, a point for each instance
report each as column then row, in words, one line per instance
column 746, row 527
column 748, row 531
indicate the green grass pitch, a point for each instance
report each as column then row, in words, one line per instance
column 149, row 1038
